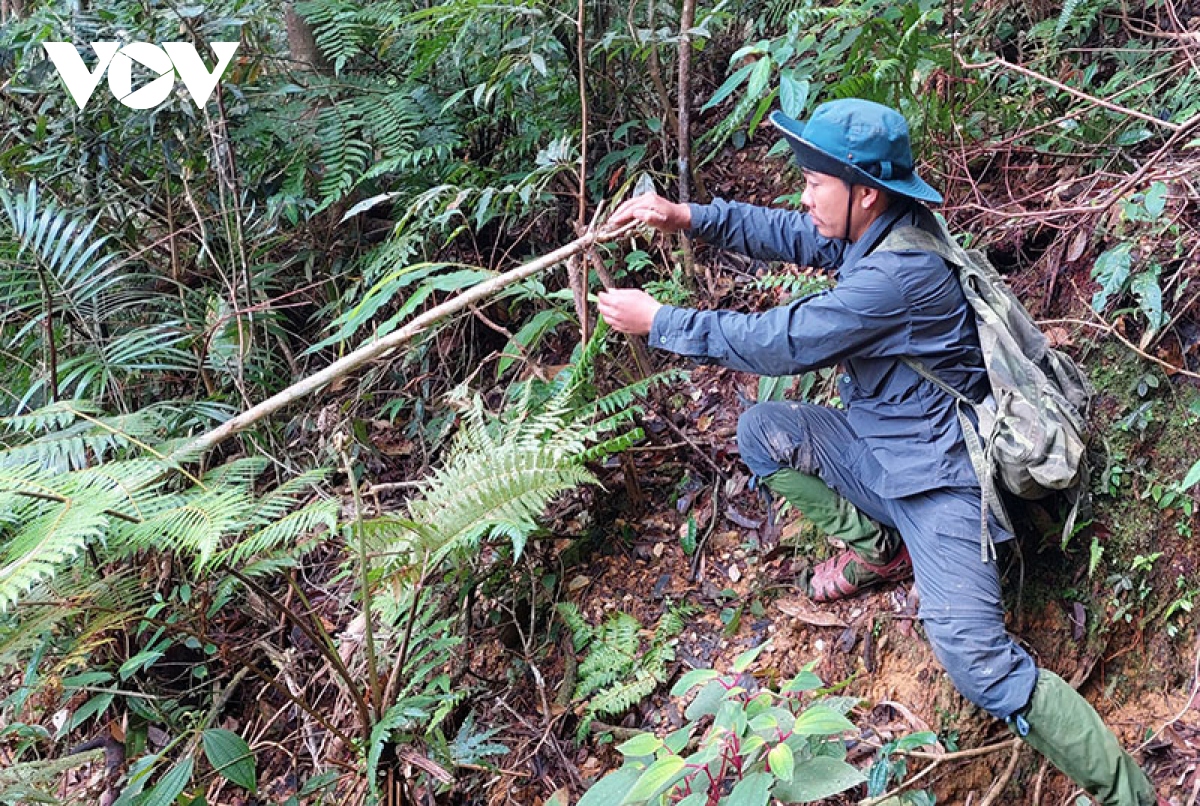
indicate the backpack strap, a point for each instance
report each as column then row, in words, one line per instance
column 918, row 240
column 981, row 460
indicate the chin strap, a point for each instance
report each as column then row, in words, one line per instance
column 849, row 206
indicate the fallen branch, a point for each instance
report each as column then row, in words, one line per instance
column 383, row 346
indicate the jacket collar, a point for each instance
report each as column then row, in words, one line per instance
column 896, row 213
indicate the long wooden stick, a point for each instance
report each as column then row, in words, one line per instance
column 377, row 349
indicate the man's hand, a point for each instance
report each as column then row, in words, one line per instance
column 649, row 208
column 628, row 310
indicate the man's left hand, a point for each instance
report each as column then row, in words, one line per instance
column 628, row 310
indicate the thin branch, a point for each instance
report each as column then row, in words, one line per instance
column 1025, row 71
column 1112, row 331
column 382, row 347
column 364, row 584
column 323, row 646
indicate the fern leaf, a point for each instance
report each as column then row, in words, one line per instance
column 47, row 542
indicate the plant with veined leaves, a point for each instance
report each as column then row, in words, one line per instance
column 762, row 745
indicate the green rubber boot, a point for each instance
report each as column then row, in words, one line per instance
column 1061, row 725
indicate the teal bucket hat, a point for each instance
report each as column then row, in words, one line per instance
column 862, row 142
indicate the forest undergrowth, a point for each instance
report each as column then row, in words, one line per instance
column 488, row 565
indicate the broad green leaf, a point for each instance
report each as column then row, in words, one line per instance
column 657, row 776
column 1155, row 201
column 820, row 720
column 170, row 785
column 1193, row 476
column 732, row 717
column 742, row 662
column 1131, row 137
column 1145, row 287
column 793, row 95
column 782, row 761
column 753, row 790
column 751, row 745
column 816, row 779
column 1112, row 272
column 644, row 744
column 142, row 660
column 727, row 88
column 676, row 741
column 773, row 387
column 612, row 788
column 230, row 757
column 694, row 799
column 915, row 740
column 805, row 681
column 765, row 721
column 692, row 679
column 707, row 702
column 96, row 705
column 878, row 777
column 760, row 76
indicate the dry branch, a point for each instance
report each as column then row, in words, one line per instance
column 381, row 347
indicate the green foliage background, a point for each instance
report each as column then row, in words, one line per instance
column 163, row 269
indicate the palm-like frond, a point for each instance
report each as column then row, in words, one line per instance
column 61, row 254
column 70, row 436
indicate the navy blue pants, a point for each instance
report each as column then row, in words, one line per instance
column 961, row 607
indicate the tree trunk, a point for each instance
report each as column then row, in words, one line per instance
column 301, row 42
column 687, row 18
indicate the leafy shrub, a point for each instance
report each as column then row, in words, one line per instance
column 761, row 745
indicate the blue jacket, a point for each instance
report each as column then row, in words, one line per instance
column 885, row 306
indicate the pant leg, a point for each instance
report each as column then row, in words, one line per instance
column 809, row 455
column 961, row 602
column 963, row 616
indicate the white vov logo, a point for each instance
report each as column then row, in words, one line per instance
column 166, row 60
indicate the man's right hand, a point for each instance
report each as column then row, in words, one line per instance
column 652, row 209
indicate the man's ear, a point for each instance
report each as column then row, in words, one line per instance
column 873, row 198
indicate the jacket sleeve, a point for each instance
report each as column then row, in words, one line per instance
column 765, row 233
column 865, row 315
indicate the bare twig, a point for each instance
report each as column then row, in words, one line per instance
column 938, row 760
column 383, row 346
column 1003, row 780
column 1112, row 331
column 1025, row 71
column 364, row 584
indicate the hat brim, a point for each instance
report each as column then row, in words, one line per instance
column 811, row 158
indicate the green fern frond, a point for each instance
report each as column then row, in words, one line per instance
column 615, row 701
column 282, row 531
column 1066, row 16
column 343, row 154
column 33, row 781
column 489, row 484
column 47, row 542
column 581, row 631
column 674, row 621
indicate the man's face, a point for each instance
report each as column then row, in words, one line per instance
column 825, row 198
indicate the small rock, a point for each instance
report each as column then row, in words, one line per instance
column 734, row 573
column 820, row 645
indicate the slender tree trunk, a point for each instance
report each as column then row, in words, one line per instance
column 51, row 347
column 687, row 18
column 577, row 270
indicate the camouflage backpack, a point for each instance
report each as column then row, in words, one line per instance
column 1034, row 438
